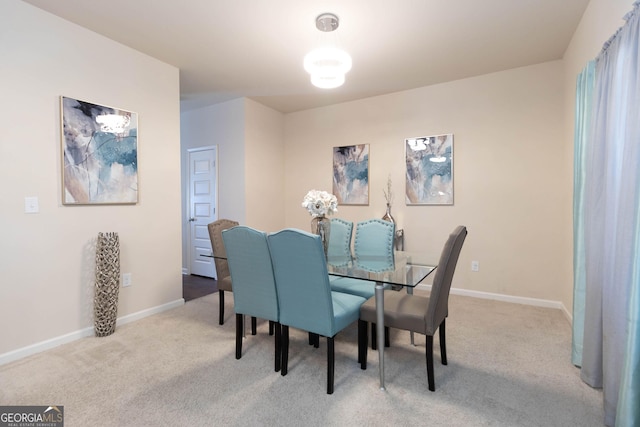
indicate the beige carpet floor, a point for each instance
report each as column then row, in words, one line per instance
column 509, row 365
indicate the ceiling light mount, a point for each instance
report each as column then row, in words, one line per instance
column 327, row 22
column 327, row 65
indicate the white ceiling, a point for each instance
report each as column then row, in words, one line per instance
column 227, row 49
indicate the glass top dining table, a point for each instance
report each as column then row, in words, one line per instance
column 402, row 270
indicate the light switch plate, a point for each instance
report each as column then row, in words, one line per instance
column 31, row 205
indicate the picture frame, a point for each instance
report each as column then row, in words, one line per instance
column 351, row 174
column 429, row 170
column 99, row 147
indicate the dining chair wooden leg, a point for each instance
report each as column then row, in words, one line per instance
column 432, row 385
column 363, row 335
column 314, row 339
column 253, row 325
column 221, row 295
column 285, row 350
column 374, row 337
column 331, row 363
column 278, row 344
column 443, row 344
column 239, row 328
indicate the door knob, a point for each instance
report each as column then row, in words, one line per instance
column 192, row 219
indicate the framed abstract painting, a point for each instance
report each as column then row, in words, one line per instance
column 351, row 174
column 429, row 174
column 99, row 154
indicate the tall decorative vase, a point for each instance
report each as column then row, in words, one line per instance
column 387, row 216
column 321, row 225
column 105, row 301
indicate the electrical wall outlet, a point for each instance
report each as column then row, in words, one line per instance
column 475, row 265
column 126, row 279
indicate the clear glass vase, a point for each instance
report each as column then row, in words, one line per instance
column 321, row 225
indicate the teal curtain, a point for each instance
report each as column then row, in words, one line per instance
column 628, row 407
column 628, row 411
column 584, row 96
column 611, row 224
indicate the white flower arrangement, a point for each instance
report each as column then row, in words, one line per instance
column 320, row 203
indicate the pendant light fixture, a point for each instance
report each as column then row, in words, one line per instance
column 327, row 65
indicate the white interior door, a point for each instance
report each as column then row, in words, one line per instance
column 202, row 203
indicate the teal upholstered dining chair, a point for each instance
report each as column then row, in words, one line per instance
column 222, row 269
column 420, row 314
column 339, row 249
column 374, row 237
column 305, row 299
column 254, row 287
column 340, row 238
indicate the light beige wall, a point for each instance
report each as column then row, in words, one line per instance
column 221, row 125
column 600, row 21
column 264, row 167
column 250, row 141
column 509, row 172
column 47, row 259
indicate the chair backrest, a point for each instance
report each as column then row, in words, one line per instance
column 217, row 245
column 439, row 299
column 254, row 287
column 300, row 269
column 340, row 238
column 374, row 237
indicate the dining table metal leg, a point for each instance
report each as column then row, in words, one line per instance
column 379, row 293
column 410, row 292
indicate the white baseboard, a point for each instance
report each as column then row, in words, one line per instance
column 44, row 345
column 82, row 333
column 148, row 312
column 567, row 314
column 508, row 298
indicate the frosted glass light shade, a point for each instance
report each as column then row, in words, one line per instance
column 327, row 66
column 327, row 82
column 327, row 60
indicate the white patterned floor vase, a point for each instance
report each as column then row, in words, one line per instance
column 105, row 301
